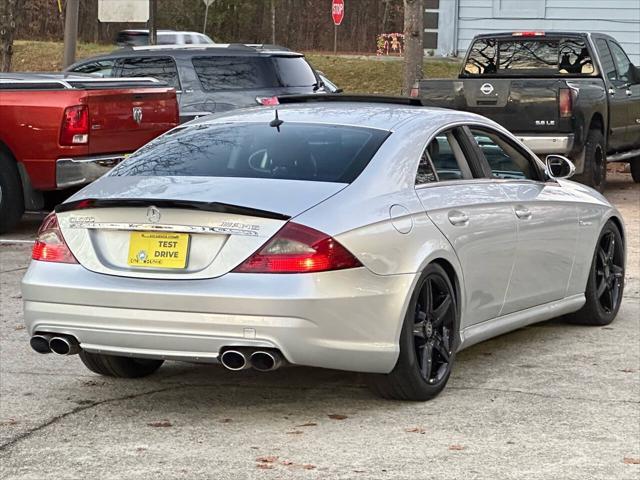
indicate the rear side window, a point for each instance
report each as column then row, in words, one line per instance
column 569, row 56
column 608, row 67
column 162, row 68
column 299, row 151
column 233, row 73
column 247, row 72
column 623, row 64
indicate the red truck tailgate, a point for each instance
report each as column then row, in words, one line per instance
column 121, row 121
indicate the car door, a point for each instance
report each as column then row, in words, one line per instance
column 618, row 101
column 475, row 215
column 546, row 218
column 631, row 85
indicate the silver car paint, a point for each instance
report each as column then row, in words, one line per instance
column 349, row 320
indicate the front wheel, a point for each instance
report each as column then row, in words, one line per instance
column 606, row 280
column 121, row 367
column 428, row 342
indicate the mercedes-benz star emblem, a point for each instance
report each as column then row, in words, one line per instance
column 486, row 88
column 137, row 115
column 153, row 214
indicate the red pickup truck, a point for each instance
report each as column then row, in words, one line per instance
column 59, row 131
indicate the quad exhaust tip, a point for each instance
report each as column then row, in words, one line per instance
column 244, row 358
column 60, row 344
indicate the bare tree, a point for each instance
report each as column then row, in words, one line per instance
column 413, row 49
column 9, row 11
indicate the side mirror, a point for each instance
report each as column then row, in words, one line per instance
column 559, row 167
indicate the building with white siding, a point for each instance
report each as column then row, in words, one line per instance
column 451, row 24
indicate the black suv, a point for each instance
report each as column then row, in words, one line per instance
column 213, row 78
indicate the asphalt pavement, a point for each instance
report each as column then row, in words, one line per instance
column 550, row 401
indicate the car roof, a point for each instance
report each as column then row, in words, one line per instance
column 382, row 116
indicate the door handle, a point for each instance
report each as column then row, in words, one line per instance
column 612, row 91
column 458, row 218
column 628, row 92
column 522, row 212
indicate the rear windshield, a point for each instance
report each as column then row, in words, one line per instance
column 298, row 151
column 246, row 72
column 539, row 57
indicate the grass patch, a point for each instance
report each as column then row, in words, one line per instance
column 354, row 75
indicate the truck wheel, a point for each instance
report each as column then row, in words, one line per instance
column 11, row 199
column 595, row 162
column 635, row 169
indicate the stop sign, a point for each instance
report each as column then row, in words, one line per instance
column 337, row 11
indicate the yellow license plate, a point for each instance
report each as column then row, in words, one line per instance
column 158, row 249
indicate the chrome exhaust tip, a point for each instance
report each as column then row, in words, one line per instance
column 234, row 360
column 40, row 343
column 66, row 345
column 264, row 361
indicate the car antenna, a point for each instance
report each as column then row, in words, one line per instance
column 276, row 122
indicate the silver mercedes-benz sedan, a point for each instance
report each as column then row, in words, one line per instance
column 375, row 237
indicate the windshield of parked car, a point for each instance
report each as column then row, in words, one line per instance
column 252, row 72
column 296, row 151
column 531, row 57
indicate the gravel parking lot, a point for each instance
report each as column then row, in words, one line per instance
column 549, row 401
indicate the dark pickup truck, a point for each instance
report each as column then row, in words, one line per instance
column 568, row 93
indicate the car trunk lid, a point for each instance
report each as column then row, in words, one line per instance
column 127, row 226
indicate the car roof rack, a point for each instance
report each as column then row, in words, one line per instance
column 339, row 97
column 37, row 81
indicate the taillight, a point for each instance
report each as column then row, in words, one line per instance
column 75, row 125
column 268, row 101
column 565, row 103
column 50, row 245
column 415, row 90
column 299, row 249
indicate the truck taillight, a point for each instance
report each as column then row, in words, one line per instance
column 299, row 249
column 50, row 245
column 528, row 34
column 415, row 90
column 565, row 103
column 268, row 101
column 75, row 125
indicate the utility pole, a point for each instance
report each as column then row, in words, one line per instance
column 153, row 15
column 70, row 32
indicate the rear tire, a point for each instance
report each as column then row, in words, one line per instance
column 428, row 342
column 606, row 280
column 11, row 198
column 120, row 367
column 635, row 169
column 595, row 162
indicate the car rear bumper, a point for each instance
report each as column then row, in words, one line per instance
column 83, row 170
column 347, row 320
column 548, row 144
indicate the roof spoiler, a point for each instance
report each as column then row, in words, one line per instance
column 335, row 97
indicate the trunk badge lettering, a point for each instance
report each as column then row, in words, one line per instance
column 153, row 214
column 137, row 115
column 486, row 88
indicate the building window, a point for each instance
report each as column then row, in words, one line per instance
column 519, row 8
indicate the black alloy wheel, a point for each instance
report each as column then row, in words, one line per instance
column 428, row 341
column 609, row 272
column 433, row 325
column 605, row 285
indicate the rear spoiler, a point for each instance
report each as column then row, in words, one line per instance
column 216, row 207
column 338, row 97
column 25, row 82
